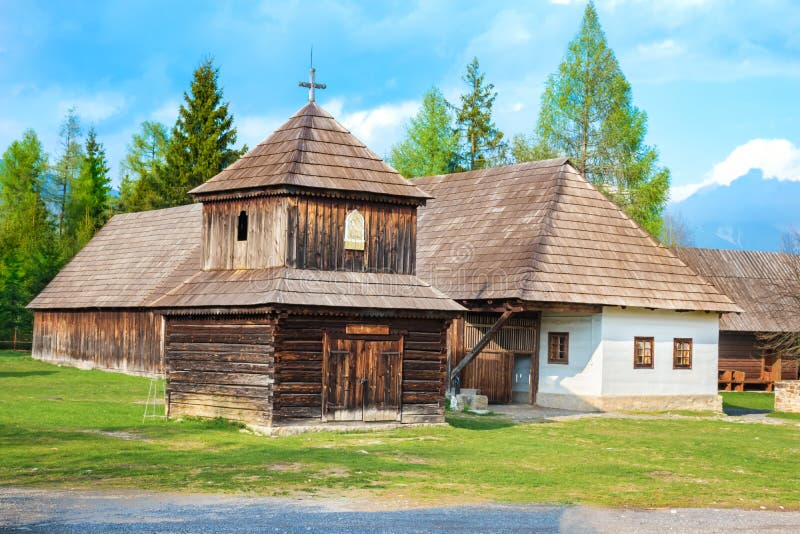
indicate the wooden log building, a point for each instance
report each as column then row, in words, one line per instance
column 286, row 297
column 571, row 303
column 765, row 285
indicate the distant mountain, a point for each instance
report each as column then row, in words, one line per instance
column 752, row 213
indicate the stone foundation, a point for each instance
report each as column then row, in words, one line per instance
column 632, row 403
column 787, row 396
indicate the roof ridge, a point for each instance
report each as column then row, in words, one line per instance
column 337, row 150
column 546, row 228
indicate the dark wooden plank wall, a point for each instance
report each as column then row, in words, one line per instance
column 492, row 371
column 316, row 236
column 739, row 351
column 221, row 367
column 127, row 341
column 266, row 236
column 298, row 361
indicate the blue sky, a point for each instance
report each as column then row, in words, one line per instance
column 719, row 80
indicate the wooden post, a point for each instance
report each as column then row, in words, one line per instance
column 482, row 343
column 14, row 342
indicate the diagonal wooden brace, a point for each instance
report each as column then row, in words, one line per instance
column 487, row 337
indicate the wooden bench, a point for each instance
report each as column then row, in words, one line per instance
column 731, row 380
column 765, row 379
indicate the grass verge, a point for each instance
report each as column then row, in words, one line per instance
column 62, row 427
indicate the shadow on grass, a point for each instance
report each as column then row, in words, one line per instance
column 738, row 410
column 478, row 422
column 21, row 374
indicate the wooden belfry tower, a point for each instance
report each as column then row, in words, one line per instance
column 307, row 309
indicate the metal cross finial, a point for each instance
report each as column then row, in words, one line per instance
column 310, row 83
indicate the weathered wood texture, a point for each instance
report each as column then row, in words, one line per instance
column 134, row 259
column 741, row 351
column 119, row 340
column 540, row 232
column 266, row 234
column 221, row 367
column 315, row 237
column 311, row 150
column 492, row 370
column 299, row 349
column 764, row 284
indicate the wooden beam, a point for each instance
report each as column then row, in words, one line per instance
column 487, row 337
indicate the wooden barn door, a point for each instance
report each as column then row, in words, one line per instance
column 362, row 380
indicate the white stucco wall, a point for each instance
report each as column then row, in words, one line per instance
column 600, row 373
column 583, row 375
column 619, row 327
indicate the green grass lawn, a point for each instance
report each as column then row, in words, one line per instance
column 62, row 427
column 753, row 402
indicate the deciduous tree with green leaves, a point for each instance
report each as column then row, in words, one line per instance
column 143, row 169
column 483, row 141
column 67, row 168
column 525, row 148
column 202, row 140
column 588, row 115
column 431, row 141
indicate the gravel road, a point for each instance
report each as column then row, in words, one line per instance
column 26, row 510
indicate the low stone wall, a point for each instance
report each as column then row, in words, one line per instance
column 632, row 403
column 787, row 396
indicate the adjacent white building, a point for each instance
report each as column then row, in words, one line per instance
column 572, row 304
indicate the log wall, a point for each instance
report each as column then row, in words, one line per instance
column 122, row 340
column 299, row 374
column 220, row 367
column 740, row 351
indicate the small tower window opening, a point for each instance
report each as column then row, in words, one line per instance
column 241, row 227
column 354, row 231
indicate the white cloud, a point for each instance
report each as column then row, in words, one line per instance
column 93, row 108
column 775, row 158
column 252, row 129
column 379, row 127
column 666, row 49
column 167, row 113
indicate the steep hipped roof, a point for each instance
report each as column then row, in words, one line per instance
column 282, row 285
column 311, row 150
column 540, row 232
column 765, row 284
column 132, row 259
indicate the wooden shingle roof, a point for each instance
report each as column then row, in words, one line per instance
column 312, row 150
column 765, row 284
column 152, row 260
column 540, row 232
column 300, row 287
column 134, row 258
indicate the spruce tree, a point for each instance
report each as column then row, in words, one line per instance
column 89, row 202
column 431, row 142
column 29, row 251
column 483, row 142
column 588, row 115
column 202, row 139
